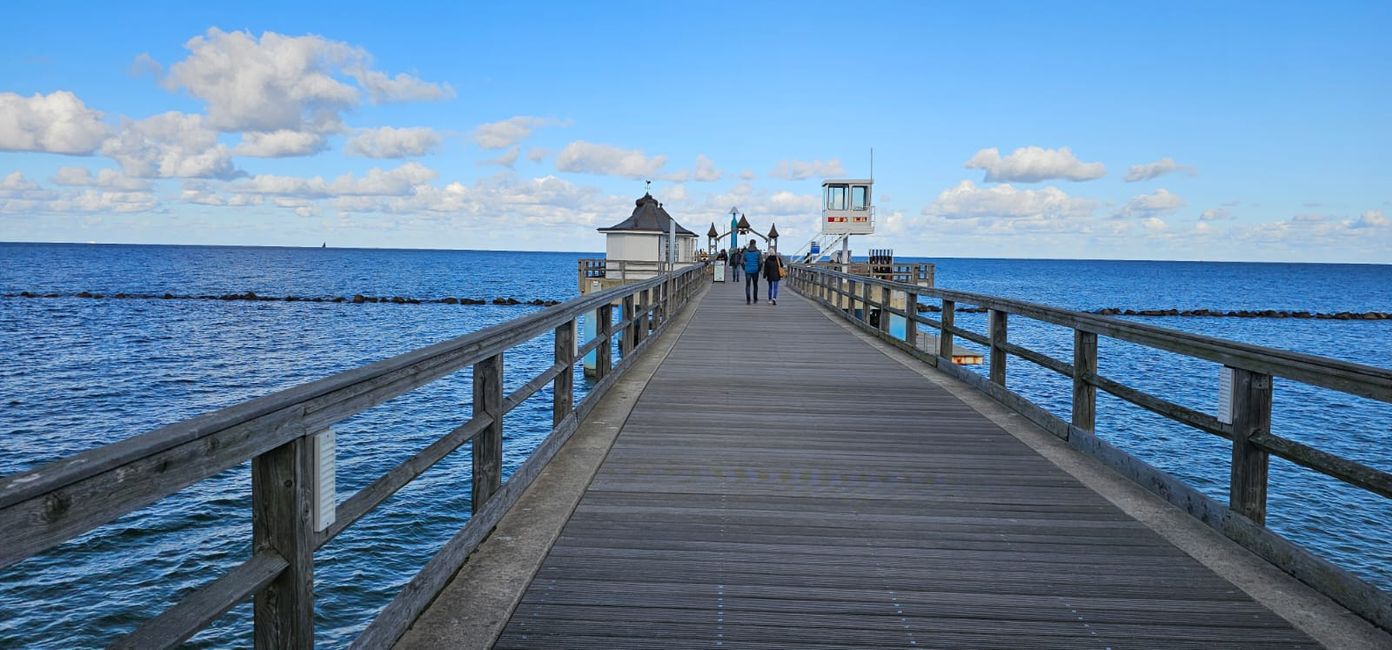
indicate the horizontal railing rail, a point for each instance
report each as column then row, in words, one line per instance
column 280, row 434
column 869, row 301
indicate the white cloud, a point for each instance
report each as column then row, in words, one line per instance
column 55, row 123
column 1371, row 219
column 1006, row 203
column 796, row 170
column 706, row 171
column 400, row 88
column 506, row 133
column 589, row 158
column 1154, row 225
column 1160, row 167
column 19, row 195
column 1034, row 164
column 399, row 181
column 170, row 145
column 277, row 82
column 280, row 144
column 747, row 175
column 105, row 178
column 390, row 142
column 1149, row 205
column 508, row 159
column 538, row 154
column 1215, row 214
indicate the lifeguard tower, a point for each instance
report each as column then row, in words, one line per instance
column 847, row 209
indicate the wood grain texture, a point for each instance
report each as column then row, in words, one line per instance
column 740, row 507
column 281, row 499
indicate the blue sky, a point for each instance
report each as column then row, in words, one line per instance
column 1248, row 131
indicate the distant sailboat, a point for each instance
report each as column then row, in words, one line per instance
column 324, row 245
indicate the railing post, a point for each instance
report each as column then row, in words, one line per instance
column 281, row 520
column 488, row 444
column 563, row 386
column 626, row 342
column 885, row 298
column 949, row 312
column 1251, row 394
column 998, row 321
column 865, row 301
column 643, row 317
column 1084, row 392
column 604, row 360
column 911, row 312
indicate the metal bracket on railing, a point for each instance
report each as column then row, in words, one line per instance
column 325, row 500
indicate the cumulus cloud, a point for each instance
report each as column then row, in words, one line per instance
column 170, row 145
column 1005, row 203
column 104, row 178
column 399, row 181
column 538, row 154
column 796, row 170
column 1215, row 214
column 706, row 171
column 55, row 123
column 506, row 133
column 1149, row 205
column 747, row 175
column 390, row 142
column 508, row 159
column 590, row 158
column 276, row 82
column 19, row 195
column 1160, row 167
column 280, row 144
column 1371, row 219
column 1034, row 164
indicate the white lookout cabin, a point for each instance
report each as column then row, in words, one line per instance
column 636, row 248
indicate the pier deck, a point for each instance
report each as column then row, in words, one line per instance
column 780, row 483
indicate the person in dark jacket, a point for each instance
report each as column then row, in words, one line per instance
column 736, row 261
column 752, row 261
column 773, row 272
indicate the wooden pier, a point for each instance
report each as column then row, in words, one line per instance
column 772, row 477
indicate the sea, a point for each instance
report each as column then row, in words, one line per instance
column 78, row 371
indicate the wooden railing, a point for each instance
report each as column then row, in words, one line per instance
column 1249, row 427
column 46, row 506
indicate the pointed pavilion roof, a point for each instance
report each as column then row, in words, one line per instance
column 773, row 231
column 712, row 233
column 743, row 223
column 648, row 216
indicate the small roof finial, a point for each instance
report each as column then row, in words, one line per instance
column 647, row 187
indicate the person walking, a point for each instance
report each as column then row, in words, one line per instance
column 752, row 262
column 736, row 261
column 773, row 273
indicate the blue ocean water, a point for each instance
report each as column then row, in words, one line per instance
column 77, row 373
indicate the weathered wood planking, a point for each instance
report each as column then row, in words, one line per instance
column 781, row 484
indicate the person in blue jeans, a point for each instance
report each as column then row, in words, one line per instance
column 773, row 272
column 752, row 262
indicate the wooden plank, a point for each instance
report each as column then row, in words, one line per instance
column 1084, row 412
column 281, row 500
column 945, row 342
column 204, row 604
column 998, row 321
column 488, row 442
column 563, row 390
column 604, row 353
column 1251, row 416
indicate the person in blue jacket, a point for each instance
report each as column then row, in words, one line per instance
column 752, row 262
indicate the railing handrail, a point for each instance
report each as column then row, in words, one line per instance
column 1344, row 376
column 45, row 506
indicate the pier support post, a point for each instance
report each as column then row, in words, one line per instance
column 626, row 342
column 640, row 329
column 488, row 444
column 911, row 325
column 949, row 311
column 1251, row 395
column 604, row 361
column 1084, row 392
column 998, row 325
column 885, row 299
column 281, row 521
column 865, row 288
column 563, row 386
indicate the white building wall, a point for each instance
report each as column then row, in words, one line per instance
column 646, row 247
